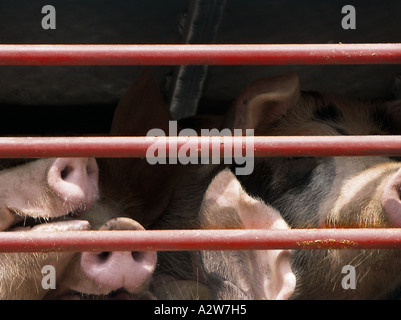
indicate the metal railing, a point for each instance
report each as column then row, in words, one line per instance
column 305, row 54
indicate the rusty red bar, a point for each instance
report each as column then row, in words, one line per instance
column 186, row 240
column 211, row 54
column 38, row 147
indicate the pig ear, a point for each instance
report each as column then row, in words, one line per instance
column 265, row 101
column 224, row 192
column 141, row 108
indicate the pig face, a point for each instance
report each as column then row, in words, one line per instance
column 335, row 191
column 90, row 275
column 48, row 195
column 43, row 195
column 120, row 275
column 46, row 190
column 329, row 192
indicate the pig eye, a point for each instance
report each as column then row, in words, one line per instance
column 300, row 170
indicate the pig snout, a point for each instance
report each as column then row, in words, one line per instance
column 391, row 199
column 46, row 190
column 111, row 271
column 75, row 180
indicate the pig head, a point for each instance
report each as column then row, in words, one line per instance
column 128, row 189
column 44, row 195
column 326, row 192
column 247, row 274
column 49, row 195
column 119, row 275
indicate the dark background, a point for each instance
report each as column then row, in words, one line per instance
column 52, row 100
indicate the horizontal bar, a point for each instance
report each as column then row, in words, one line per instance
column 197, row 54
column 41, row 147
column 186, row 240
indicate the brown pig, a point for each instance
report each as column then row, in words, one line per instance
column 142, row 191
column 308, row 192
column 326, row 192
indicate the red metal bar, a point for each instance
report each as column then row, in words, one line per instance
column 211, row 54
column 38, row 147
column 137, row 146
column 173, row 240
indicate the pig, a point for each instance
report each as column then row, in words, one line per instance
column 326, row 192
column 37, row 195
column 61, row 191
column 251, row 274
column 49, row 195
column 143, row 192
column 119, row 275
column 308, row 192
column 122, row 196
column 231, row 274
column 192, row 197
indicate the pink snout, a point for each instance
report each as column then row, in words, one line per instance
column 120, row 270
column 391, row 201
column 75, row 181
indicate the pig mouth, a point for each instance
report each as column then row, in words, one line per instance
column 120, row 294
column 25, row 222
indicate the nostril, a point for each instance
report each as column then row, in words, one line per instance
column 103, row 256
column 65, row 172
column 138, row 256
